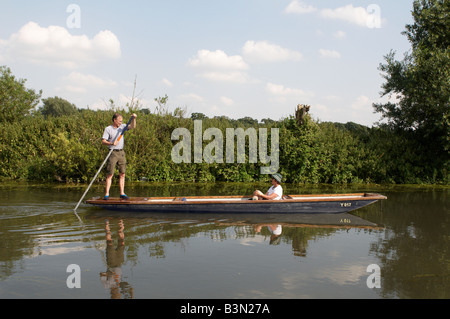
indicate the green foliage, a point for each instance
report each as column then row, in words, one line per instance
column 68, row 148
column 421, row 84
column 16, row 101
column 198, row 116
column 56, row 106
column 324, row 153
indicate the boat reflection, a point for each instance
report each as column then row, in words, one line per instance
column 344, row 220
column 127, row 233
column 275, row 225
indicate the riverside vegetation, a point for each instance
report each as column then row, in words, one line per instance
column 61, row 142
column 68, row 148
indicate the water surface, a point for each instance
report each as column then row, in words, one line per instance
column 223, row 256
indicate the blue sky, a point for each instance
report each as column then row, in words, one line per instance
column 257, row 58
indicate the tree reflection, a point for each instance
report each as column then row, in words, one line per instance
column 414, row 250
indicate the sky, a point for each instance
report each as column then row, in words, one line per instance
column 237, row 58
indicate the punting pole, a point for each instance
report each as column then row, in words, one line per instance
column 118, row 137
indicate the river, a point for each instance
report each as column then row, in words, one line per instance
column 397, row 248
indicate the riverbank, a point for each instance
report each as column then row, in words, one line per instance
column 220, row 188
column 48, row 149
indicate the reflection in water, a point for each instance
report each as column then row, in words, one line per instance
column 414, row 250
column 156, row 236
column 275, row 231
column 296, row 230
column 112, row 278
column 191, row 256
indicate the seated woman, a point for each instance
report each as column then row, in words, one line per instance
column 275, row 192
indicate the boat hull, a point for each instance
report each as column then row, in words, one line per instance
column 297, row 204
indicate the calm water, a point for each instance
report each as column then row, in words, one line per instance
column 208, row 256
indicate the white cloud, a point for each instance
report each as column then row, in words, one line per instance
column 362, row 102
column 218, row 66
column 348, row 13
column 226, row 100
column 322, row 108
column 299, row 7
column 217, row 60
column 263, row 51
column 339, row 34
column 90, row 80
column 124, row 99
column 192, row 97
column 166, row 82
column 54, row 45
column 100, row 104
column 329, row 54
column 280, row 90
column 120, row 100
column 365, row 17
column 360, row 109
column 77, row 82
column 343, row 275
column 236, row 76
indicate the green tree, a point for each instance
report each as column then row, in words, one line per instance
column 56, row 106
column 268, row 121
column 248, row 121
column 16, row 101
column 198, row 116
column 421, row 84
column 162, row 108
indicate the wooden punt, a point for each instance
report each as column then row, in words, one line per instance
column 293, row 204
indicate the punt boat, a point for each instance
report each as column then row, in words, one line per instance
column 290, row 204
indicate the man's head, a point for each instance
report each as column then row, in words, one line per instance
column 277, row 178
column 117, row 120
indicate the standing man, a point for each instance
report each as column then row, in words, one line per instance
column 118, row 154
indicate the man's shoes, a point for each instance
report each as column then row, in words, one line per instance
column 121, row 197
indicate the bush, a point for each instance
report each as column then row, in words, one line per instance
column 68, row 148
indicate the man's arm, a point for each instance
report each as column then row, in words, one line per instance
column 106, row 137
column 133, row 122
column 272, row 196
column 105, row 142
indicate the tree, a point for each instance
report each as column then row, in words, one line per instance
column 198, row 116
column 56, row 106
column 248, row 121
column 16, row 101
column 268, row 121
column 421, row 83
column 162, row 108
